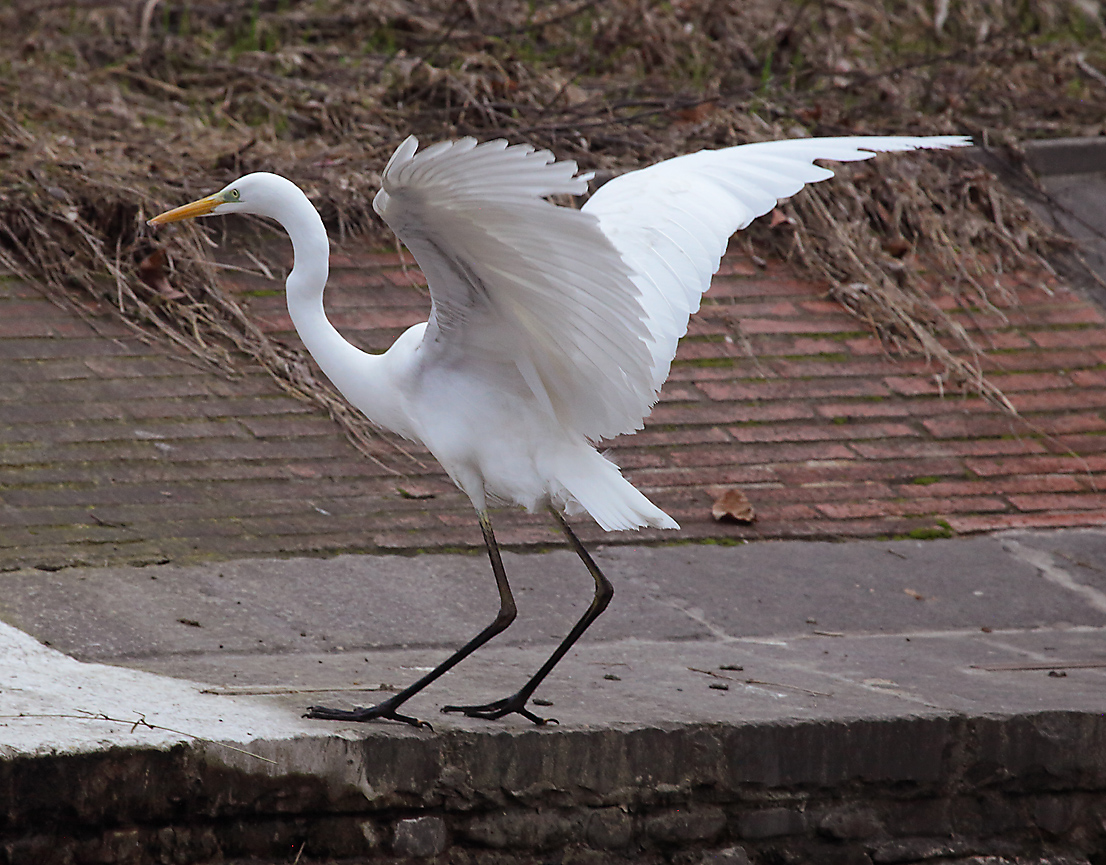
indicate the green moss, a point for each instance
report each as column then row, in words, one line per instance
column 925, row 480
column 930, row 533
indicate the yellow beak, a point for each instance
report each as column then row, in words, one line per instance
column 202, row 207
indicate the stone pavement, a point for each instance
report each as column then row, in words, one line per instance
column 876, row 701
column 926, row 691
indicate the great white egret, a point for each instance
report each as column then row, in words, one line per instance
column 550, row 328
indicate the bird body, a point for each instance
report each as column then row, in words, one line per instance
column 550, row 328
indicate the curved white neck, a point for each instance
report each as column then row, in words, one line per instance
column 357, row 374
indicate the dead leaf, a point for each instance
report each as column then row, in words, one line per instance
column 779, row 218
column 917, row 596
column 151, row 270
column 695, row 113
column 896, row 247
column 734, row 506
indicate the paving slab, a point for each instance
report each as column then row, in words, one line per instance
column 876, row 640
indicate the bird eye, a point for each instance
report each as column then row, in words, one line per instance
column 234, row 195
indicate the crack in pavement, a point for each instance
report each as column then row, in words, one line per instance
column 1048, row 568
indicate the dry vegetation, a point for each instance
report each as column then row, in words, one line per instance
column 113, row 111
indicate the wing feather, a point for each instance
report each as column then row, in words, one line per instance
column 585, row 306
column 519, row 285
column 672, row 221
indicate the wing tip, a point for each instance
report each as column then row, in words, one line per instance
column 404, row 153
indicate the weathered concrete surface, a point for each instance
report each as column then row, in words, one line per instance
column 1072, row 174
column 873, row 701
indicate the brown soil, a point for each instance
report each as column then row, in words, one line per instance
column 113, row 111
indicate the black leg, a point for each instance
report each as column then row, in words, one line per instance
column 387, row 709
column 604, row 591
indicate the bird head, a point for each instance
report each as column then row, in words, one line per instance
column 259, row 193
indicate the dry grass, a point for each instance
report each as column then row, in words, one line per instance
column 117, row 110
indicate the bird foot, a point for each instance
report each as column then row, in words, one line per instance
column 383, row 711
column 515, row 704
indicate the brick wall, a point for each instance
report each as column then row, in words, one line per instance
column 118, row 449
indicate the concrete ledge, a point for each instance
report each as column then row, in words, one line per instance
column 1067, row 155
column 884, row 790
column 948, row 703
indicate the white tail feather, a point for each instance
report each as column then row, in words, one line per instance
column 587, row 482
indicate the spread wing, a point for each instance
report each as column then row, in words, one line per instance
column 517, row 283
column 671, row 221
column 587, row 305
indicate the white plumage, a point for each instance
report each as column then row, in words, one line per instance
column 570, row 316
column 550, row 328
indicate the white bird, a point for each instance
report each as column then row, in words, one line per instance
column 550, row 328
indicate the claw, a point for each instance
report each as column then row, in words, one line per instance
column 370, row 713
column 515, row 704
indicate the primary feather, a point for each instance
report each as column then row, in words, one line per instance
column 575, row 314
column 516, row 279
column 588, row 305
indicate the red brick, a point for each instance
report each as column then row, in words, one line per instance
column 829, row 470
column 822, row 307
column 762, row 287
column 798, row 325
column 868, row 346
column 822, row 432
column 1036, row 464
column 376, row 319
column 412, row 278
column 1089, row 377
column 1066, row 400
column 798, row 471
column 738, row 265
column 782, row 346
column 1021, row 381
column 1031, row 316
column 1025, row 361
column 920, row 385
column 1091, row 443
column 660, row 478
column 914, row 507
column 820, row 492
column 720, row 455
column 999, row 522
column 970, row 425
column 903, row 408
column 791, row 389
column 766, row 512
column 363, row 260
column 993, row 486
column 678, row 392
column 1084, row 337
column 692, row 349
column 681, row 371
column 671, row 437
column 1060, row 502
column 52, row 349
column 742, row 310
column 871, row 367
column 947, row 447
column 288, row 427
column 726, row 413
